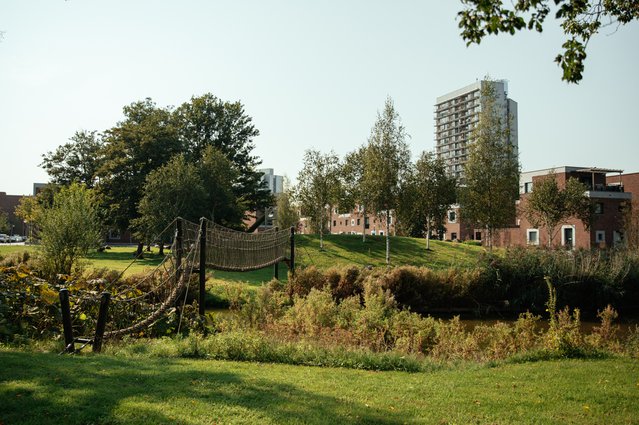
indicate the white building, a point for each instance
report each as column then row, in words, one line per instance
column 456, row 114
column 274, row 182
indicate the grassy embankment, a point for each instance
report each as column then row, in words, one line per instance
column 41, row 388
column 339, row 250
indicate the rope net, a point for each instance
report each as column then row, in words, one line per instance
column 140, row 305
column 231, row 250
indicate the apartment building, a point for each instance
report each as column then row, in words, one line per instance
column 457, row 114
column 354, row 222
column 607, row 193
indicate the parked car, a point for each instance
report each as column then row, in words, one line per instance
column 4, row 238
column 16, row 238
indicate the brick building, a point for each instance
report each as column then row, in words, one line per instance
column 607, row 194
column 353, row 223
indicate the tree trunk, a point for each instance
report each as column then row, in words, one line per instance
column 387, row 238
column 364, row 224
column 161, row 248
column 428, row 235
column 138, row 252
column 321, row 230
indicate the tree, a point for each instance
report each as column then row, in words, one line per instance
column 427, row 195
column 631, row 225
column 317, row 188
column 77, row 161
column 491, row 174
column 208, row 121
column 145, row 140
column 69, row 229
column 4, row 222
column 385, row 161
column 352, row 190
column 287, row 214
column 172, row 190
column 580, row 20
column 548, row 204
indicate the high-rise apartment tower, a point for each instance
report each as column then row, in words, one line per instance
column 457, row 113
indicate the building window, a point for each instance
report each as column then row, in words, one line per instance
column 453, row 236
column 352, row 222
column 334, row 223
column 452, row 217
column 599, row 208
column 114, row 235
column 532, row 237
column 528, row 187
column 600, row 236
column 477, row 236
column 358, row 221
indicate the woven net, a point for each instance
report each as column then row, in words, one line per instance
column 230, row 250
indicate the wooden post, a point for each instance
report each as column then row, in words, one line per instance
column 179, row 246
column 66, row 321
column 292, row 251
column 102, row 319
column 202, row 270
column 276, row 266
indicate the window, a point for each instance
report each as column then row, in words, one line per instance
column 352, row 222
column 532, row 237
column 600, row 236
column 528, row 187
column 114, row 235
column 334, row 222
column 358, row 221
column 453, row 236
column 599, row 208
column 477, row 236
column 452, row 217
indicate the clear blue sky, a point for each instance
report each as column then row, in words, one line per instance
column 311, row 74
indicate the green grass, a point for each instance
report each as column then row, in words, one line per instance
column 38, row 388
column 339, row 250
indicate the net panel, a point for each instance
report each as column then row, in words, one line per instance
column 231, row 250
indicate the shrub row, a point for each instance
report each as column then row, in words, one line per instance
column 514, row 281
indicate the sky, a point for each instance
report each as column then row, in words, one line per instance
column 312, row 75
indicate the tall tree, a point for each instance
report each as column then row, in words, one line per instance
column 631, row 225
column 287, row 214
column 317, row 188
column 580, row 20
column 428, row 194
column 548, row 204
column 145, row 140
column 208, row 121
column 353, row 193
column 219, row 178
column 492, row 171
column 385, row 161
column 76, row 161
column 172, row 190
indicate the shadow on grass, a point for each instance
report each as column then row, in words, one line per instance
column 40, row 388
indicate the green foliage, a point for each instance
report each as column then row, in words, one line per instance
column 580, row 20
column 548, row 205
column 173, row 190
column 491, row 183
column 385, row 162
column 4, row 222
column 69, row 229
column 145, row 140
column 209, row 122
column 318, row 188
column 75, row 162
column 427, row 194
column 287, row 214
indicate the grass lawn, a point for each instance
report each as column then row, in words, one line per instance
column 339, row 250
column 38, row 388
